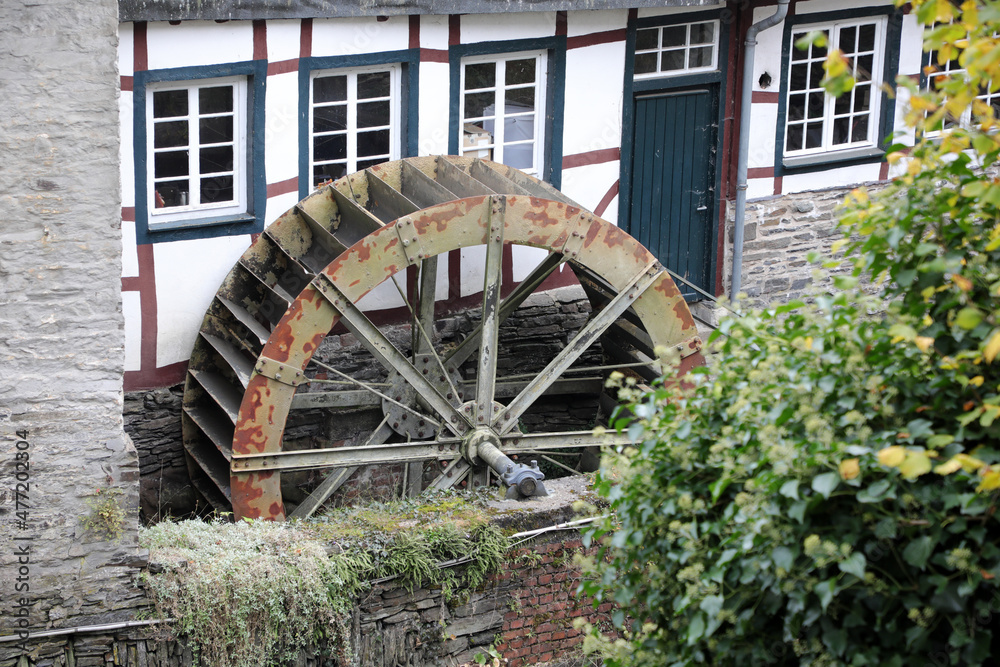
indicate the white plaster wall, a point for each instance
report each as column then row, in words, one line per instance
column 662, row 11
column 831, row 178
column 584, row 23
column 588, row 185
column 814, row 6
column 130, row 260
column 350, row 36
column 125, row 49
column 593, row 114
column 198, row 43
column 385, row 295
column 283, row 40
column 760, row 187
column 281, row 128
column 132, row 314
column 434, row 32
column 473, row 273
column 126, row 151
column 526, row 259
column 432, row 135
column 763, row 129
column 911, row 53
column 490, row 27
column 277, row 206
column 188, row 274
column 767, row 55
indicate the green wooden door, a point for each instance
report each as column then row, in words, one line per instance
column 673, row 177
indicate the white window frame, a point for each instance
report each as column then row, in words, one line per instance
column 833, row 29
column 162, row 217
column 395, row 114
column 686, row 48
column 948, row 70
column 496, row 144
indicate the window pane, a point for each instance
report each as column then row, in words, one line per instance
column 216, row 189
column 520, row 71
column 843, row 104
column 520, row 99
column 174, row 133
column 671, row 60
column 330, row 89
column 170, row 163
column 818, row 51
column 330, row 119
column 370, row 163
column 480, row 75
column 815, row 74
column 167, row 103
column 218, row 158
column 703, row 33
column 647, row 38
column 865, row 67
column 171, row 193
column 862, row 97
column 796, row 107
column 519, row 128
column 373, row 84
column 520, row 156
column 645, row 63
column 860, row 131
column 331, row 147
column 799, row 77
column 866, row 38
column 793, row 141
column 373, row 114
column 816, row 102
column 373, row 143
column 814, row 135
column 701, row 57
column 674, row 35
column 218, row 99
column 797, row 53
column 479, row 104
column 216, row 130
column 840, row 131
column 328, row 172
column 848, row 40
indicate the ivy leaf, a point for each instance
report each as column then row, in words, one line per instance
column 790, row 489
column 918, row 551
column 969, row 318
column 825, row 484
column 712, row 605
column 824, row 591
column 854, row 564
column 797, row 511
column 783, row 557
column 696, row 629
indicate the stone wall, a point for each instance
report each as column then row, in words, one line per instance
column 526, row 612
column 61, row 338
column 780, row 233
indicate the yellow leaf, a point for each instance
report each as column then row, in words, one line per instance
column 923, row 343
column 977, row 381
column 895, row 156
column 969, row 463
column 915, row 465
column 892, row 456
column 849, row 468
column 914, row 167
column 990, row 481
column 962, row 282
column 992, row 347
column 948, row 467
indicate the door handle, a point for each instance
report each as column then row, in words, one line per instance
column 702, row 208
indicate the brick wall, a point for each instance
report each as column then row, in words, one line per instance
column 61, row 338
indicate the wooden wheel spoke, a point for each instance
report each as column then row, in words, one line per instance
column 425, row 307
column 488, row 341
column 392, row 359
column 597, row 325
column 340, row 457
column 519, row 443
column 454, row 473
column 525, row 288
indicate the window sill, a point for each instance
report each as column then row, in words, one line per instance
column 174, row 225
column 833, row 157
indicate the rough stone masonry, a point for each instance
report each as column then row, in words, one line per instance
column 61, row 338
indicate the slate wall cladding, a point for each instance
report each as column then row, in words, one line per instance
column 526, row 611
column 780, row 233
column 61, row 338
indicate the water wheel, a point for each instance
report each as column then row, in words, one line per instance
column 264, row 370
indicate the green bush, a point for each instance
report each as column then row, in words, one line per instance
column 754, row 524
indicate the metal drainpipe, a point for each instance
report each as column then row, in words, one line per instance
column 743, row 158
